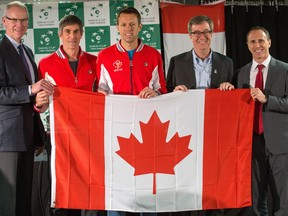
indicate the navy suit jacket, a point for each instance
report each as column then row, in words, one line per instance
column 181, row 71
column 20, row 126
column 275, row 111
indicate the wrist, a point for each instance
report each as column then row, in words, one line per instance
column 266, row 98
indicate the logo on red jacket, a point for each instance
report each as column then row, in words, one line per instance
column 118, row 65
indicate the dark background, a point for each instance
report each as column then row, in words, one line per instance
column 241, row 15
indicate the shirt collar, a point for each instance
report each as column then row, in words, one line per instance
column 265, row 63
column 197, row 59
column 14, row 43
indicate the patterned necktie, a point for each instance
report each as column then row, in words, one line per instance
column 21, row 52
column 258, row 121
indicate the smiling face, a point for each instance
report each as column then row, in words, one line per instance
column 129, row 27
column 202, row 41
column 15, row 22
column 259, row 45
column 71, row 36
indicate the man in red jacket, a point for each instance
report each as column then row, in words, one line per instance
column 70, row 67
column 130, row 67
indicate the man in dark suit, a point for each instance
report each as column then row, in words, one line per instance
column 21, row 128
column 200, row 67
column 270, row 139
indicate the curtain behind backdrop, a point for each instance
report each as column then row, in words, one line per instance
column 239, row 19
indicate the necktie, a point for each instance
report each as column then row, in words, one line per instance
column 21, row 52
column 258, row 121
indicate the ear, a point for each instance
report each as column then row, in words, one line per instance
column 270, row 43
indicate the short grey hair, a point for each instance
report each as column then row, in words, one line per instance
column 15, row 4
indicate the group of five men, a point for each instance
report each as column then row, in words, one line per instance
column 24, row 93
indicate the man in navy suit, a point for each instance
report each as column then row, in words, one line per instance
column 270, row 139
column 21, row 129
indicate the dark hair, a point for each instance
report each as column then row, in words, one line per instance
column 70, row 20
column 129, row 10
column 255, row 28
column 199, row 20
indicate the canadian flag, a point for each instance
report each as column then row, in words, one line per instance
column 175, row 152
column 175, row 18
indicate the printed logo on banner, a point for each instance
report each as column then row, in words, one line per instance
column 45, row 15
column 71, row 9
column 97, row 14
column 145, row 9
column 28, row 38
column 97, row 38
column 116, row 7
column 150, row 35
column 96, row 11
column 46, row 40
column 149, row 11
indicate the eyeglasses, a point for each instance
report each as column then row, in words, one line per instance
column 14, row 21
column 198, row 33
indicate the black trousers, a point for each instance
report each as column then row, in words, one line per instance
column 16, row 176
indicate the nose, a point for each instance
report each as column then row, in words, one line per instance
column 129, row 27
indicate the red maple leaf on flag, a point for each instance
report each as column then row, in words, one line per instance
column 154, row 155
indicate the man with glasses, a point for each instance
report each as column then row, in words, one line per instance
column 200, row 68
column 21, row 129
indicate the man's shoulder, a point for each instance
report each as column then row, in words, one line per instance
column 182, row 55
column 148, row 49
column 275, row 62
column 221, row 56
column 108, row 49
column 246, row 67
column 48, row 59
column 4, row 41
column 89, row 55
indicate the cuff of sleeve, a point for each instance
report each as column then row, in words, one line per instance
column 37, row 109
column 158, row 92
column 30, row 90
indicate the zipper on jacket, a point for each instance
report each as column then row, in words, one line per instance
column 131, row 76
column 76, row 80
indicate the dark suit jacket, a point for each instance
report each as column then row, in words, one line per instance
column 275, row 111
column 181, row 71
column 20, row 126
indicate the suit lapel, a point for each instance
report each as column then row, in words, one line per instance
column 215, row 71
column 15, row 55
column 189, row 62
column 272, row 70
column 246, row 77
column 34, row 66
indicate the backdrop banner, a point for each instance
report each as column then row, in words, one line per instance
column 175, row 18
column 99, row 19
